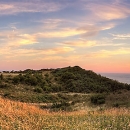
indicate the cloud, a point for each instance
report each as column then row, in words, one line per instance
column 121, row 36
column 108, row 11
column 108, row 26
column 88, row 43
column 89, row 30
column 25, row 39
column 108, row 53
column 93, row 30
column 7, row 8
column 57, row 50
column 80, row 43
column 15, row 38
column 54, row 28
column 60, row 33
column 11, row 52
column 50, row 23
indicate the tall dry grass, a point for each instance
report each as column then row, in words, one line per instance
column 22, row 116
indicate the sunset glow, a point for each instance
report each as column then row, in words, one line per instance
column 93, row 34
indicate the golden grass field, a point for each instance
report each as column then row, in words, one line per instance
column 22, row 116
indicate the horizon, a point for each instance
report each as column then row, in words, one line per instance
column 40, row 34
column 65, row 67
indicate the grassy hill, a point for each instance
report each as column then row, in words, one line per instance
column 65, row 98
column 57, row 85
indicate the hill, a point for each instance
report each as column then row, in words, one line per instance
column 76, row 79
column 56, row 85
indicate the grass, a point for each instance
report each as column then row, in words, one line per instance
column 22, row 116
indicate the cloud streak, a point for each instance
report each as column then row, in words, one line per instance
column 108, row 53
column 8, row 8
column 80, row 43
column 121, row 36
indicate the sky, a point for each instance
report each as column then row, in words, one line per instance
column 92, row 34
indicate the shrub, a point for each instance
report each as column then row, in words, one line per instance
column 5, row 85
column 7, row 94
column 64, row 106
column 98, row 99
column 38, row 90
column 67, row 76
column 116, row 104
column 1, row 77
column 16, row 79
column 47, row 88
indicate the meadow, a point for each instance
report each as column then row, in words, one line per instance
column 15, row 115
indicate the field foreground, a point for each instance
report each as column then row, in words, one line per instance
column 22, row 116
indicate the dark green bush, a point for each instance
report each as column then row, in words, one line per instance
column 16, row 79
column 116, row 104
column 1, row 77
column 64, row 106
column 98, row 99
column 38, row 90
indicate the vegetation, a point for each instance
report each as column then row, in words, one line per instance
column 71, row 79
column 22, row 116
column 56, row 85
column 62, row 99
column 98, row 99
column 76, row 79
